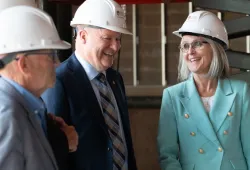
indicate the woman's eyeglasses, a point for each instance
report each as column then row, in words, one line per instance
column 194, row 45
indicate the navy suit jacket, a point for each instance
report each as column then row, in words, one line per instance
column 73, row 99
column 59, row 143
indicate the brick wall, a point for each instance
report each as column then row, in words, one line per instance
column 176, row 15
column 149, row 46
column 144, row 125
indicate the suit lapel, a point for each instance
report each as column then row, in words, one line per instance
column 86, row 91
column 193, row 104
column 224, row 98
column 31, row 116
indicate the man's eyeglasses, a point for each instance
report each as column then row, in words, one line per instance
column 194, row 45
column 53, row 55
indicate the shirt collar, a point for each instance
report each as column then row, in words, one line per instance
column 90, row 70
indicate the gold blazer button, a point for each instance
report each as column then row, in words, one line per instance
column 230, row 114
column 192, row 133
column 201, row 151
column 186, row 116
column 220, row 149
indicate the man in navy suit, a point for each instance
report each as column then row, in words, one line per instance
column 104, row 141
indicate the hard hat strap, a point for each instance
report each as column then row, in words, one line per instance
column 74, row 33
column 7, row 59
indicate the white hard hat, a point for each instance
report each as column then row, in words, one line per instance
column 25, row 28
column 10, row 3
column 207, row 24
column 106, row 14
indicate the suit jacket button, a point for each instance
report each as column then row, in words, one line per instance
column 230, row 114
column 225, row 132
column 109, row 149
column 192, row 133
column 186, row 116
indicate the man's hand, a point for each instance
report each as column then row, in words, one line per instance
column 69, row 131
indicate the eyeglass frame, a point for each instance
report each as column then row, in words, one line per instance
column 12, row 56
column 202, row 42
column 53, row 55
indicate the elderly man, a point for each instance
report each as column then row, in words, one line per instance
column 28, row 40
column 90, row 95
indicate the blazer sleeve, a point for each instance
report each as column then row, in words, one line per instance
column 167, row 138
column 245, row 124
column 11, row 150
column 56, row 101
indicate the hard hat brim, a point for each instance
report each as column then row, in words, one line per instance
column 177, row 33
column 180, row 34
column 63, row 45
column 60, row 45
column 112, row 28
column 121, row 30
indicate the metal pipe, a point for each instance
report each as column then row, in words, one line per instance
column 163, row 43
column 135, row 42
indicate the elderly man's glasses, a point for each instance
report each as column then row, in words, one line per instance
column 53, row 55
column 194, row 45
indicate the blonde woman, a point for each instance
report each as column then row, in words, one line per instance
column 204, row 120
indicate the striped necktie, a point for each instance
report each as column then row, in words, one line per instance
column 111, row 119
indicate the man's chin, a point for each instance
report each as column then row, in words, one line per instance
column 52, row 84
column 104, row 67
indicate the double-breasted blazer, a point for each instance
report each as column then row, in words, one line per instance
column 189, row 138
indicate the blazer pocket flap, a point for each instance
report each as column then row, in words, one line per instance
column 239, row 164
column 188, row 167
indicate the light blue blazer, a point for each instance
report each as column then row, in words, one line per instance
column 191, row 139
column 23, row 144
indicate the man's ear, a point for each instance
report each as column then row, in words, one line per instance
column 82, row 35
column 22, row 64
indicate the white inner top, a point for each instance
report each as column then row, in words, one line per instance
column 207, row 102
